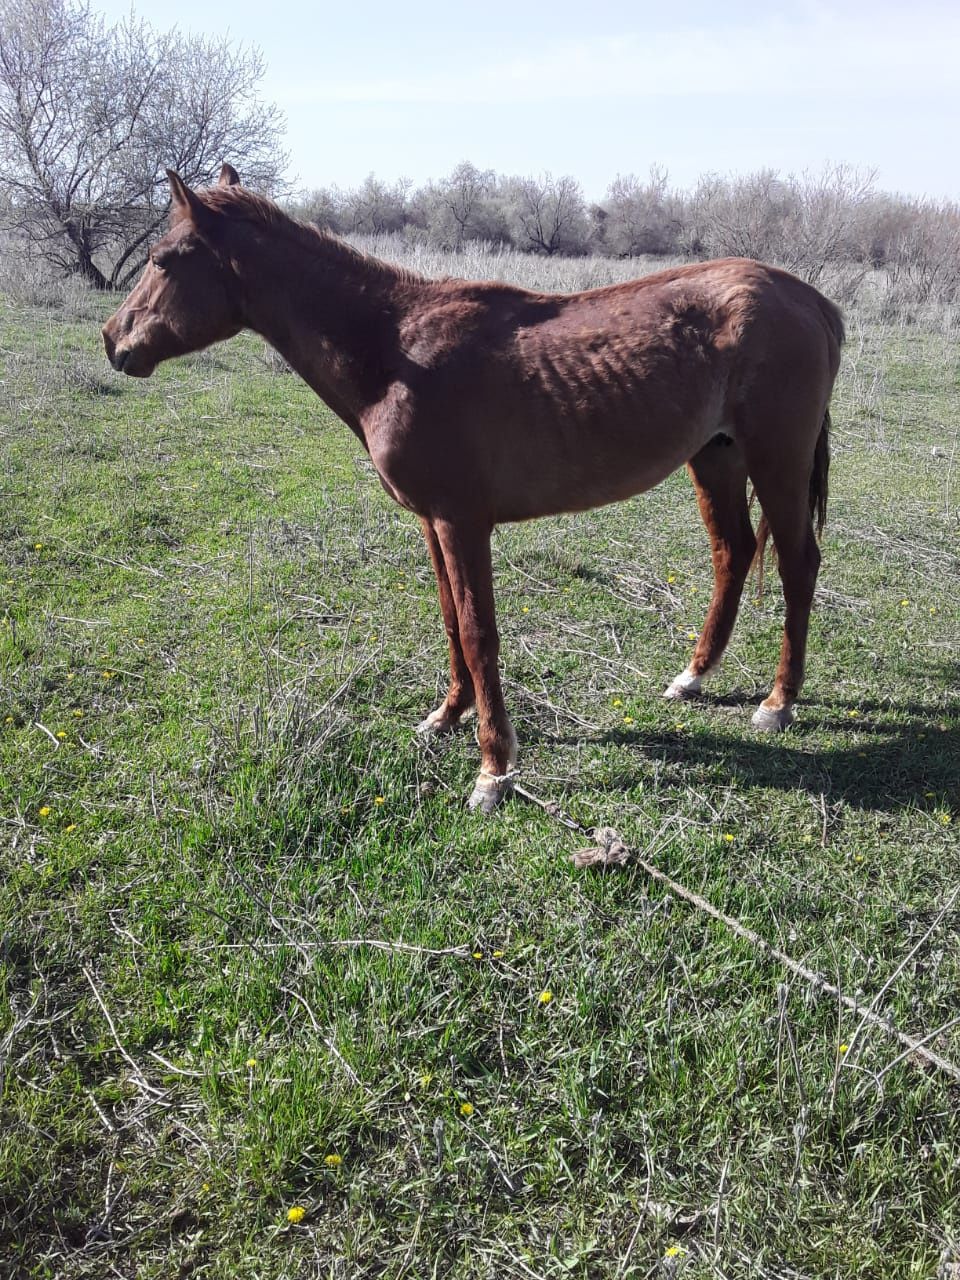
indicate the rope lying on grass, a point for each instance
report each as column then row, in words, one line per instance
column 609, row 850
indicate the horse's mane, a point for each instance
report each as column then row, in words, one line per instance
column 239, row 203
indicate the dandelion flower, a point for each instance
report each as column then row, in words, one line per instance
column 107, row 675
column 946, row 819
column 61, row 734
column 205, row 1187
column 545, row 997
column 333, row 1161
column 251, row 1062
column 478, row 955
column 466, row 1109
column 38, row 546
column 628, row 719
column 674, row 1252
column 671, row 577
column 904, row 603
column 77, row 712
column 691, row 635
column 296, row 1213
column 44, row 811
column 71, row 827
column 853, row 713
column 617, row 702
column 526, row 608
column 844, row 1048
column 379, row 800
column 497, row 955
column 426, row 1079
column 729, row 837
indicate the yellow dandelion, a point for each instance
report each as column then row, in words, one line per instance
column 671, row 577
column 44, row 811
column 858, row 857
column 497, row 955
column 628, row 719
column 379, row 800
column 251, row 1062
column 844, row 1048
column 617, row 702
column 691, row 635
column 679, row 727
column 71, row 827
column 478, row 955
column 333, row 1161
column 425, row 1079
column 107, row 675
column 933, row 608
column 466, row 1109
column 904, row 603
column 853, row 713
column 545, row 997
column 8, row 719
column 61, row 734
column 674, row 1252
column 71, row 675
column 946, row 819
column 296, row 1213
column 77, row 712
column 729, row 837
column 526, row 608
column 206, row 1187
column 38, row 546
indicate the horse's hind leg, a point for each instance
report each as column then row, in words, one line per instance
column 719, row 475
column 466, row 556
column 460, row 695
column 784, row 496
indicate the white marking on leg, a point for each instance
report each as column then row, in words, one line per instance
column 686, row 684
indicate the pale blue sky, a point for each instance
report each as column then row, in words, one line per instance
column 410, row 88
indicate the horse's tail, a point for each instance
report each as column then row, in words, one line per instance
column 819, row 488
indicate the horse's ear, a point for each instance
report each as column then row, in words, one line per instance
column 228, row 177
column 184, row 199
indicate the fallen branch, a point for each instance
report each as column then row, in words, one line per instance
column 609, row 850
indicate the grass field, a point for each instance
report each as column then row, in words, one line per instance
column 256, row 956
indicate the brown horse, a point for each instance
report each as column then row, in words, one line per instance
column 480, row 403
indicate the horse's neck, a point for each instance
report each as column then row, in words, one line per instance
column 329, row 312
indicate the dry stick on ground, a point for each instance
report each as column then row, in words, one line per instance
column 611, row 851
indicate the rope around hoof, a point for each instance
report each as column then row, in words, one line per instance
column 500, row 778
column 609, row 850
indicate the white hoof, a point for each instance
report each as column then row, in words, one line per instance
column 686, row 685
column 436, row 722
column 488, row 794
column 771, row 719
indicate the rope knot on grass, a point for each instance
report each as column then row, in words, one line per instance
column 609, row 850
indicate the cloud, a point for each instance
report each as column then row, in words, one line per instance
column 871, row 54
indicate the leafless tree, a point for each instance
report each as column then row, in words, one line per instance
column 91, row 115
column 547, row 214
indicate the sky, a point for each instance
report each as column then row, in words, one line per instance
column 596, row 88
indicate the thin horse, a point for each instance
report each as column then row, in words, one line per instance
column 480, row 403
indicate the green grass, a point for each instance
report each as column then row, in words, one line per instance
column 216, row 636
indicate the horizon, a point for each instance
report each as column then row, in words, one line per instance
column 795, row 89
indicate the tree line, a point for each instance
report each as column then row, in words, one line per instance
column 807, row 223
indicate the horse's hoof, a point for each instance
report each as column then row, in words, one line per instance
column 772, row 719
column 436, row 722
column 684, row 686
column 487, row 796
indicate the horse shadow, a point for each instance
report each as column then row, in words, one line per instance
column 904, row 752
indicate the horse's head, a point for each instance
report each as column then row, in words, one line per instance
column 186, row 298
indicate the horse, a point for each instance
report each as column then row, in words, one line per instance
column 480, row 403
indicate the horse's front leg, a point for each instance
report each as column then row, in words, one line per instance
column 460, row 696
column 466, row 556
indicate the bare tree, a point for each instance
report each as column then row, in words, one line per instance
column 460, row 207
column 547, row 214
column 91, row 115
column 641, row 217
